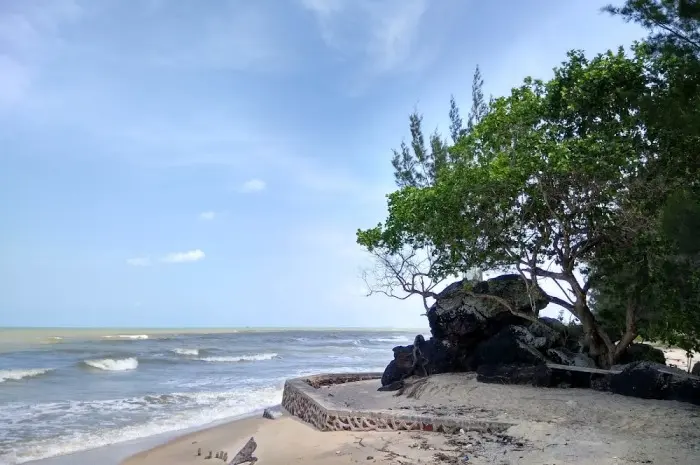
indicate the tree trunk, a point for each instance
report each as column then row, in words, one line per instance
column 601, row 348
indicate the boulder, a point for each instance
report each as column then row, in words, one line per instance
column 642, row 352
column 696, row 369
column 650, row 380
column 564, row 356
column 574, row 338
column 433, row 350
column 533, row 375
column 463, row 320
column 551, row 330
column 400, row 366
column 512, row 345
column 272, row 413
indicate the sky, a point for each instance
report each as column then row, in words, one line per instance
column 189, row 163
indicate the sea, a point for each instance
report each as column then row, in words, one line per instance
column 65, row 391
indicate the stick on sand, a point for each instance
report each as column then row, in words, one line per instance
column 246, row 453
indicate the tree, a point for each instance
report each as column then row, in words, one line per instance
column 419, row 166
column 536, row 184
column 659, row 270
column 672, row 23
column 408, row 270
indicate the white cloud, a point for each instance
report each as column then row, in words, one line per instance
column 253, row 185
column 139, row 261
column 207, row 216
column 184, row 257
column 385, row 33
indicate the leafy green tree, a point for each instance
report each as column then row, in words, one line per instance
column 595, row 171
column 672, row 23
column 658, row 271
column 406, row 271
column 535, row 185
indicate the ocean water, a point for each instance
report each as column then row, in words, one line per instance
column 65, row 391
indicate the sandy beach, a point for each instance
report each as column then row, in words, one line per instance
column 550, row 426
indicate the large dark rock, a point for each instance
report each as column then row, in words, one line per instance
column 463, row 320
column 642, row 352
column 650, row 380
column 574, row 338
column 564, row 356
column 400, row 366
column 433, row 350
column 696, row 369
column 551, row 330
column 533, row 375
column 512, row 345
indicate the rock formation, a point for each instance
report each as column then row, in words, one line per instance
column 696, row 369
column 503, row 340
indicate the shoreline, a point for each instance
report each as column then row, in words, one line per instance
column 117, row 453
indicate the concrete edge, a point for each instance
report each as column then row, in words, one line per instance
column 302, row 399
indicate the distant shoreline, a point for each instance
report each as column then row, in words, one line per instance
column 196, row 329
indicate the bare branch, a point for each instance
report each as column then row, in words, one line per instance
column 403, row 274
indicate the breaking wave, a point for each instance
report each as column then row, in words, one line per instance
column 16, row 375
column 111, row 364
column 166, row 413
column 131, row 337
column 241, row 358
column 191, row 352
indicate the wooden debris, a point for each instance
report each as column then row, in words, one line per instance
column 246, row 453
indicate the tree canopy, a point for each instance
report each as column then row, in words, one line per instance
column 590, row 179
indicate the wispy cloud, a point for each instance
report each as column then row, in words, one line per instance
column 253, row 185
column 184, row 257
column 207, row 216
column 29, row 34
column 139, row 261
column 384, row 33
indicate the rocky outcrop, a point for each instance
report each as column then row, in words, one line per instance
column 642, row 353
column 650, row 380
column 696, row 369
column 533, row 375
column 509, row 344
column 400, row 367
column 512, row 345
column 462, row 316
column 564, row 356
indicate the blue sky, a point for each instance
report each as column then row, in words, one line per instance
column 189, row 163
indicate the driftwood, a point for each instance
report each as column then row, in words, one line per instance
column 246, row 453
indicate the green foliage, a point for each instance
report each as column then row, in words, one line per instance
column 595, row 170
column 416, row 165
column 673, row 23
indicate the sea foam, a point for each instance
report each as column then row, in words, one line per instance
column 111, row 364
column 240, row 358
column 193, row 409
column 16, row 375
column 192, row 352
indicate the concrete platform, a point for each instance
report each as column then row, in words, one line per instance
column 454, row 401
column 351, row 402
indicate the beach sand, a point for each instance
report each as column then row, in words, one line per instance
column 550, row 426
column 289, row 441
